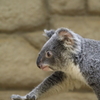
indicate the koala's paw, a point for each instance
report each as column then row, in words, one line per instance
column 30, row 97
column 16, row 97
column 27, row 97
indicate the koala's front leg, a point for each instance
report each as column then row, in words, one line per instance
column 50, row 82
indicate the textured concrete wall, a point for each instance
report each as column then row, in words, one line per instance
column 21, row 28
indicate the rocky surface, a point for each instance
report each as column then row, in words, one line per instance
column 22, row 15
column 94, row 6
column 21, row 27
column 5, row 95
column 36, row 39
column 66, row 6
column 18, row 63
column 87, row 27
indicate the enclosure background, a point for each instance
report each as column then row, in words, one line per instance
column 21, row 27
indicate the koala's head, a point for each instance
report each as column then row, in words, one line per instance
column 57, row 53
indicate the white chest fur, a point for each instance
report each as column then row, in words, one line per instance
column 75, row 78
column 74, row 72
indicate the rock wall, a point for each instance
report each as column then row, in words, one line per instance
column 21, row 28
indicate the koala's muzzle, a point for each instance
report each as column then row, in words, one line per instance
column 42, row 65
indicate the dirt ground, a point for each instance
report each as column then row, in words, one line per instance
column 5, row 95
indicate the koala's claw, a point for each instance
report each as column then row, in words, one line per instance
column 30, row 98
column 16, row 97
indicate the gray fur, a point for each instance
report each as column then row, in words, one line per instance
column 70, row 52
column 49, row 33
column 90, row 64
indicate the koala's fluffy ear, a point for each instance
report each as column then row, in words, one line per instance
column 66, row 35
column 49, row 33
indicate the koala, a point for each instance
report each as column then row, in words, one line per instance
column 74, row 61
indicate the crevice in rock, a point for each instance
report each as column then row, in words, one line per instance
column 25, row 29
column 30, row 43
column 86, row 7
column 48, row 13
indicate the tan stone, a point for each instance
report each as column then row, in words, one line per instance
column 94, row 6
column 22, row 15
column 18, row 64
column 88, row 27
column 5, row 95
column 36, row 38
column 66, row 6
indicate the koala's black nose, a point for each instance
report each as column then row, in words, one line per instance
column 38, row 61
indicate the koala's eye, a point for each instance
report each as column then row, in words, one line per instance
column 48, row 54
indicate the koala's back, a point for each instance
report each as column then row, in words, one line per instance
column 91, row 49
column 90, row 59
